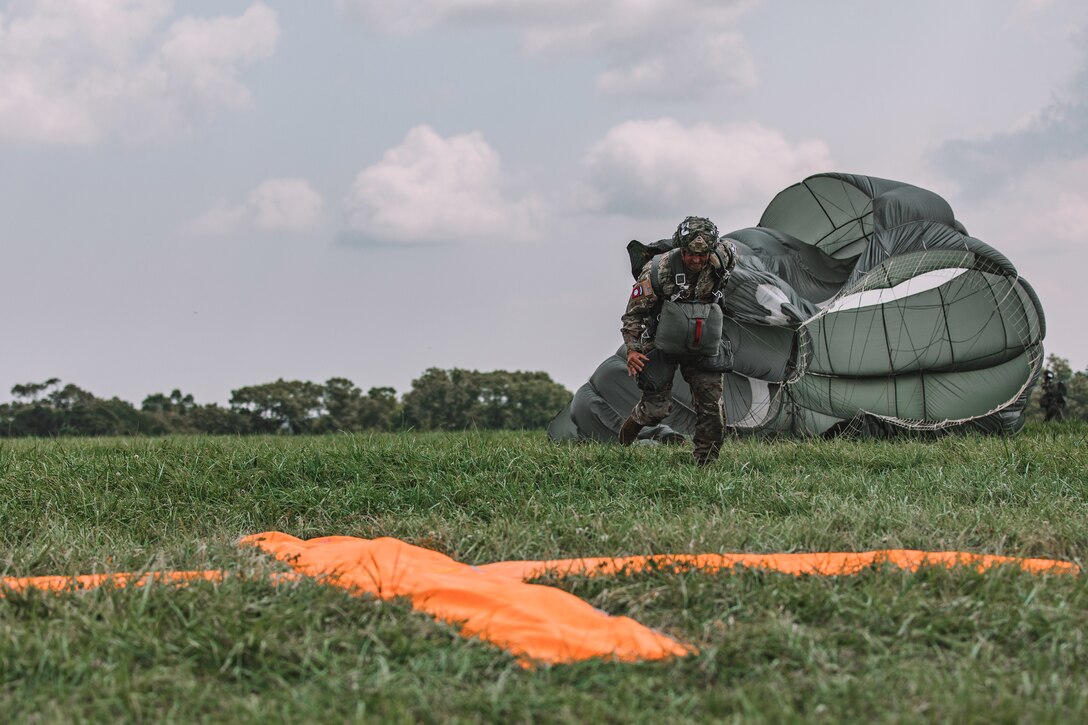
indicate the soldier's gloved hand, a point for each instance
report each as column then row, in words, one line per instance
column 635, row 362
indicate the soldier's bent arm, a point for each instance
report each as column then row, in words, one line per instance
column 639, row 314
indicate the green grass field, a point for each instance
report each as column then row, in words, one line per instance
column 883, row 645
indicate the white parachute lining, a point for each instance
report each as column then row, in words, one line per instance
column 761, row 404
column 917, row 285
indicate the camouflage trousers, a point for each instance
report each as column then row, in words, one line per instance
column 655, row 382
column 1054, row 413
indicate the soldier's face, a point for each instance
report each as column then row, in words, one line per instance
column 694, row 261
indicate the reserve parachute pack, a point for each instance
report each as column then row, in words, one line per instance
column 683, row 327
column 689, row 328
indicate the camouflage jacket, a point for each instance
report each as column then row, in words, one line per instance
column 643, row 304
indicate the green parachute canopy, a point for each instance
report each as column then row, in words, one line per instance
column 858, row 304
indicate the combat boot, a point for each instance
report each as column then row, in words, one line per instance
column 629, row 431
column 705, row 456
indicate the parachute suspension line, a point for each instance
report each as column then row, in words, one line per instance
column 947, row 329
column 999, row 307
column 852, row 212
column 822, row 199
column 1002, row 309
column 830, row 396
column 855, row 338
column 1023, row 331
column 804, row 343
column 905, row 330
column 893, row 389
column 861, row 214
column 1023, row 305
column 819, row 203
column 925, row 402
column 934, row 335
column 1008, row 293
column 855, row 217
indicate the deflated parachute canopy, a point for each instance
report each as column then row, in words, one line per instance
column 858, row 304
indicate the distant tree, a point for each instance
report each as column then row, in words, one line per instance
column 90, row 416
column 457, row 399
column 48, row 409
column 35, row 419
column 342, row 401
column 379, row 410
column 70, row 396
column 285, row 406
column 443, row 399
column 29, row 393
column 179, row 413
column 213, row 420
column 521, row 400
column 173, row 403
column 348, row 409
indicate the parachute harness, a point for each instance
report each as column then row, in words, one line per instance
column 682, row 285
column 680, row 278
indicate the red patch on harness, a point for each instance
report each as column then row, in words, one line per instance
column 637, row 291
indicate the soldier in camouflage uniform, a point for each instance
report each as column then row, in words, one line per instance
column 1053, row 398
column 695, row 239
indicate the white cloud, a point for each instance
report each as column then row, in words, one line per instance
column 679, row 48
column 662, row 166
column 1040, row 221
column 207, row 53
column 434, row 189
column 1025, row 9
column 1043, row 211
column 1071, row 212
column 77, row 71
column 1056, row 132
column 683, row 71
column 276, row 205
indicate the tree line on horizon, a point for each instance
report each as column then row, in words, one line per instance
column 439, row 399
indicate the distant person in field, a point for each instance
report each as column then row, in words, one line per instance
column 1053, row 399
column 670, row 322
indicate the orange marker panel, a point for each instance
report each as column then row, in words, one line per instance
column 822, row 564
column 492, row 601
column 536, row 623
column 92, row 581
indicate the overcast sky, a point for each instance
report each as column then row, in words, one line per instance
column 204, row 195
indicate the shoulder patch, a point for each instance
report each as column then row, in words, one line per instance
column 642, row 287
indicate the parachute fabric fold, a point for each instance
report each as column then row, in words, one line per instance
column 860, row 305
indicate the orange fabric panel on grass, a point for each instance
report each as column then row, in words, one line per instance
column 535, row 623
column 823, row 564
column 92, row 581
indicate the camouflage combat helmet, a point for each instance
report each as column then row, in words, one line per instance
column 695, row 234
